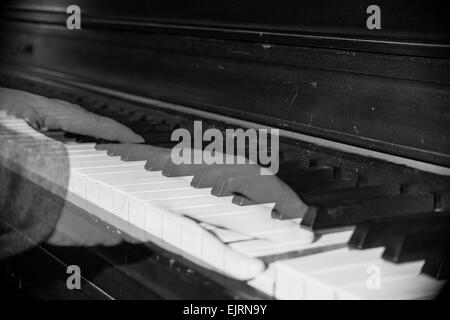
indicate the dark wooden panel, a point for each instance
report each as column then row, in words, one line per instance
column 416, row 20
column 392, row 103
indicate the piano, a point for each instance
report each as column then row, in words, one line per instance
column 363, row 118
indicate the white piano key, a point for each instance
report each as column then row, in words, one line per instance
column 175, row 193
column 40, row 140
column 115, row 196
column 111, row 162
column 94, row 172
column 226, row 235
column 264, row 281
column 252, row 223
column 327, row 284
column 406, row 287
column 13, row 135
column 323, row 275
column 137, row 210
column 219, row 209
column 4, row 114
column 78, row 177
column 103, row 194
column 115, row 189
column 129, row 178
column 290, row 274
column 68, row 153
column 205, row 200
column 221, row 257
column 82, row 146
column 74, row 161
column 191, row 239
column 281, row 242
column 14, row 123
column 154, row 186
column 127, row 167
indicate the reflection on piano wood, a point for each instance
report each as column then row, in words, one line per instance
column 363, row 119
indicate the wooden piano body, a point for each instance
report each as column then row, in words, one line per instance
column 377, row 100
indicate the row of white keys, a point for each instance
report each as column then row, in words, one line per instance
column 351, row 274
column 80, row 155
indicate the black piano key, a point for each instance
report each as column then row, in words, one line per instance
column 157, row 138
column 290, row 166
column 442, row 201
column 417, row 188
column 304, row 179
column 149, row 130
column 180, row 170
column 118, row 149
column 437, row 265
column 139, row 152
column 354, row 212
column 378, row 232
column 55, row 134
column 157, row 160
column 407, row 247
column 336, row 184
column 336, row 193
column 187, row 169
column 340, row 173
column 82, row 138
column 321, row 197
column 103, row 144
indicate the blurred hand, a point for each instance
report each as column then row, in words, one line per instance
column 74, row 229
column 245, row 183
column 44, row 113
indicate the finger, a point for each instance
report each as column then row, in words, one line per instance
column 114, row 131
column 66, row 103
column 29, row 115
column 190, row 168
column 250, row 190
column 156, row 157
column 256, row 189
column 227, row 175
column 21, row 108
column 290, row 206
column 90, row 124
column 140, row 152
column 61, row 115
column 211, row 177
column 178, row 170
column 157, row 161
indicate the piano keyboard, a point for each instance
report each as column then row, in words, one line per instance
column 246, row 243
